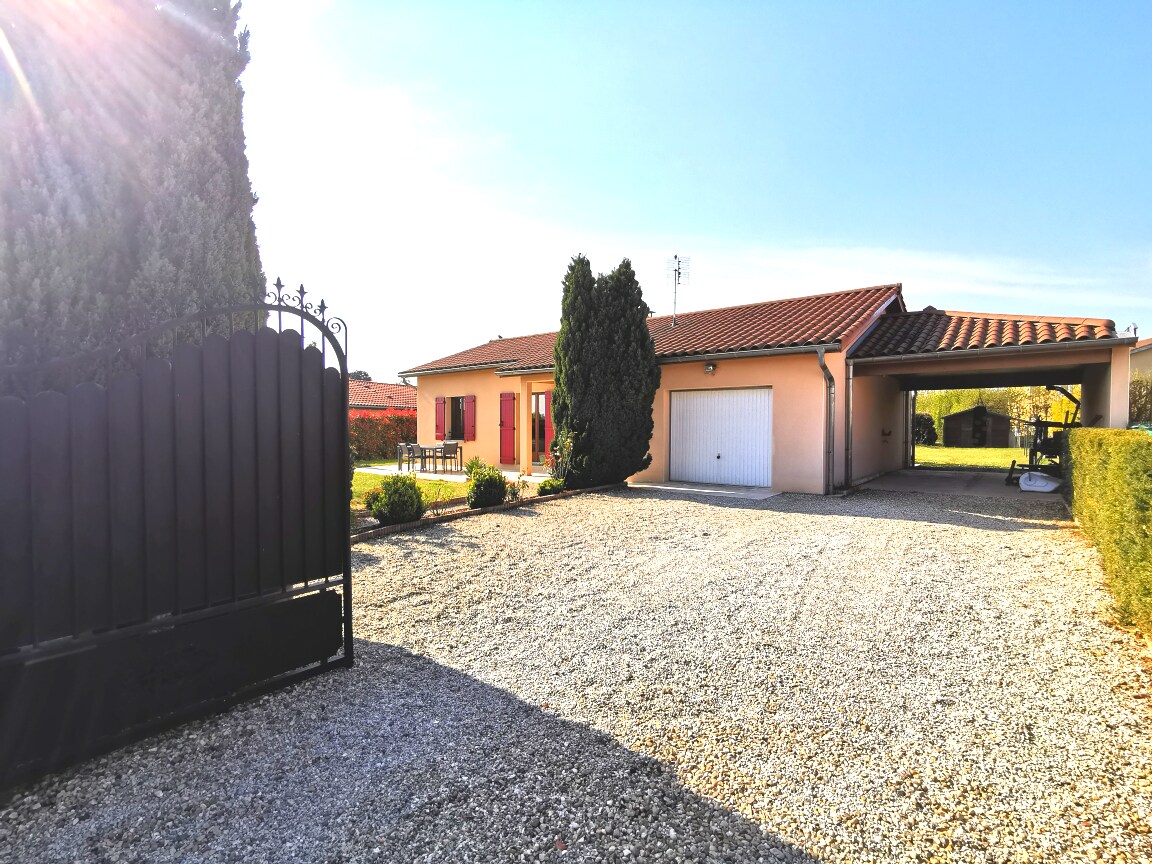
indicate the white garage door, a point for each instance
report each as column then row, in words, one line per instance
column 722, row 436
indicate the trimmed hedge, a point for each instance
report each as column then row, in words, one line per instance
column 374, row 435
column 1111, row 479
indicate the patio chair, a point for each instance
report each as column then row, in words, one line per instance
column 412, row 454
column 453, row 453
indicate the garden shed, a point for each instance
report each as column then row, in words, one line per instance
column 977, row 427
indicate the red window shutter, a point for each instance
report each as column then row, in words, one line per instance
column 439, row 418
column 507, row 428
column 549, row 431
column 469, row 418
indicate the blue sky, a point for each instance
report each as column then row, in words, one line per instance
column 430, row 167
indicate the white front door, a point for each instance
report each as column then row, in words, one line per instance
column 721, row 436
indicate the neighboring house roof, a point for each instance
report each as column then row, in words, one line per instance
column 821, row 319
column 371, row 394
column 1142, row 345
column 933, row 331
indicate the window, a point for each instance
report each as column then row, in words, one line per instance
column 455, row 430
column 456, row 418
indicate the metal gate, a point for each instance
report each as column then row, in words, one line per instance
column 175, row 533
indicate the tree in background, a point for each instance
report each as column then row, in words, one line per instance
column 1140, row 399
column 124, row 191
column 606, row 375
column 924, row 429
column 359, row 375
column 1019, row 403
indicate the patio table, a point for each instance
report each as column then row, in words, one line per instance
column 434, row 452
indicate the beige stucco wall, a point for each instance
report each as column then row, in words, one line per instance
column 486, row 386
column 879, row 427
column 1104, row 392
column 797, row 413
column 1141, row 361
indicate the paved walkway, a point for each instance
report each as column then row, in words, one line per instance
column 450, row 476
column 984, row 484
column 747, row 493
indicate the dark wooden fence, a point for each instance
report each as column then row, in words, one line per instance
column 174, row 536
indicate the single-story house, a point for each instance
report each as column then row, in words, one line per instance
column 1142, row 357
column 374, row 399
column 804, row 394
column 977, row 427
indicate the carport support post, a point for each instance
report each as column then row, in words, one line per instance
column 910, row 428
column 848, row 426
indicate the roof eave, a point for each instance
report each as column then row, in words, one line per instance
column 755, row 352
column 530, row 370
column 1031, row 348
column 413, row 373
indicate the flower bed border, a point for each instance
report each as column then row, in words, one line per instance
column 427, row 521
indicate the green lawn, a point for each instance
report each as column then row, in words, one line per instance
column 362, row 481
column 969, row 457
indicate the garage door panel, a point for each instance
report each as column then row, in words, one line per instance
column 722, row 436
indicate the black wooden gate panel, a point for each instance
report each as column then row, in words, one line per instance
column 175, row 529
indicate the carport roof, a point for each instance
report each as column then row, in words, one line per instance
column 820, row 319
column 933, row 331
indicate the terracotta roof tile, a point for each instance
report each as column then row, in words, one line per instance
column 933, row 331
column 816, row 320
column 372, row 394
column 1142, row 344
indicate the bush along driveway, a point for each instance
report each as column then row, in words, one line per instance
column 634, row 676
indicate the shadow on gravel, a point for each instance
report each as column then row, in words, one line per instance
column 993, row 514
column 399, row 760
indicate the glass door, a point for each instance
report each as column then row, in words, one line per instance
column 538, row 421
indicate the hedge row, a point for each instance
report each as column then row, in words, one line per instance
column 375, row 436
column 1111, row 480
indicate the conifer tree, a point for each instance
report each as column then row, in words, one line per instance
column 124, row 191
column 606, row 374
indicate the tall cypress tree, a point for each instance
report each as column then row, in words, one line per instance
column 124, row 191
column 575, row 397
column 606, row 374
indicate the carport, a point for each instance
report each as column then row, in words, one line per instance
column 933, row 349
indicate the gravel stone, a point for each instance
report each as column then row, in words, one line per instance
column 650, row 676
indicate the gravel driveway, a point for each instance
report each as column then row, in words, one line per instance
column 646, row 676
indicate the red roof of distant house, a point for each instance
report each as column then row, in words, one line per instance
column 371, row 394
column 933, row 331
column 820, row 319
column 1142, row 345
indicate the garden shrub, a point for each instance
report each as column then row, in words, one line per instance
column 516, row 489
column 396, row 501
column 486, row 487
column 1111, row 484
column 551, row 486
column 436, row 498
column 473, row 465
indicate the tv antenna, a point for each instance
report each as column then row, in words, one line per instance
column 677, row 272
